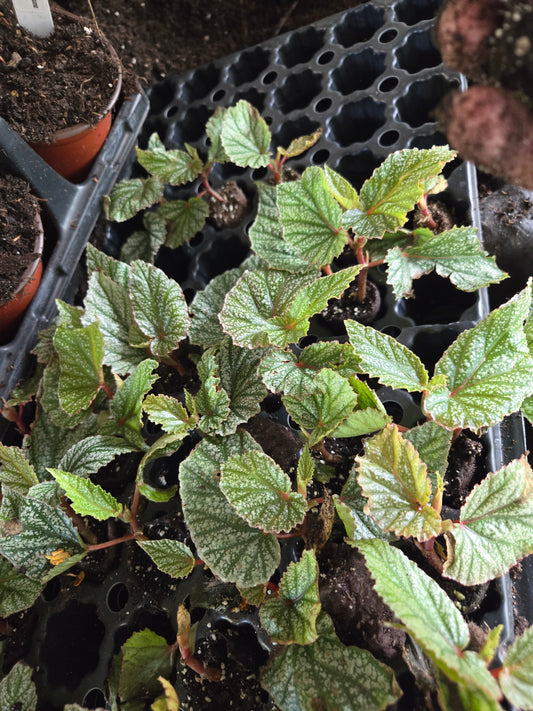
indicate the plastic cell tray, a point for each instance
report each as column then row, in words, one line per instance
column 69, row 213
column 370, row 77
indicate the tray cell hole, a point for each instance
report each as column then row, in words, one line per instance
column 249, row 66
column 388, row 84
column 174, row 262
column 224, row 254
column 252, row 96
column 323, row 104
column 388, row 35
column 218, row 95
column 388, row 138
column 435, row 300
column 161, row 95
column 418, row 53
column 171, row 111
column 429, row 345
column 433, row 139
column 52, row 590
column 359, row 25
column 94, row 699
column 417, row 106
column 320, row 157
column 269, row 78
column 301, row 47
column 357, row 122
column 191, row 129
column 298, row 91
column 414, row 11
column 154, row 124
column 66, row 659
column 201, row 83
column 145, row 617
column 117, row 597
column 359, row 167
column 325, row 57
column 294, row 129
column 394, row 409
column 358, row 71
column 197, row 239
column 393, row 331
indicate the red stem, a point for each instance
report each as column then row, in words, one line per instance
column 110, row 394
column 211, row 190
column 108, row 544
column 428, row 550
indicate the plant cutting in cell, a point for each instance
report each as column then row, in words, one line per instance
column 100, row 382
column 238, row 135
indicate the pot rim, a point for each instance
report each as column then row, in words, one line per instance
column 32, row 266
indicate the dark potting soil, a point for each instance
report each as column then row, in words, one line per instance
column 18, row 231
column 348, row 307
column 55, row 82
column 230, row 207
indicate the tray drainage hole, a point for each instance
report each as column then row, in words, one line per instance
column 388, row 84
column 171, row 111
column 52, row 590
column 395, row 410
column 270, row 77
column 325, row 57
column 218, row 95
column 259, row 173
column 94, row 699
column 391, row 331
column 387, row 36
column 117, row 597
column 388, row 138
column 323, row 104
column 320, row 157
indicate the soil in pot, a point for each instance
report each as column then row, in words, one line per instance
column 20, row 235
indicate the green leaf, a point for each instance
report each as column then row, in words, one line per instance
column 81, row 353
column 45, row 529
column 162, row 447
column 245, row 136
column 88, row 499
column 428, row 614
column 142, row 659
column 301, row 144
column 159, row 307
column 173, row 167
column 211, row 401
column 266, row 234
column 213, row 129
column 145, row 244
column 172, row 557
column 184, row 219
column 329, row 675
column 382, row 357
column 108, row 302
column 218, row 532
column 362, row 422
column 16, row 472
column 456, row 254
column 169, row 413
column 305, row 471
column 341, row 189
column 98, row 261
column 394, row 479
column 491, row 643
column 126, row 406
column 205, row 328
column 49, row 400
column 432, row 442
column 252, row 306
column 261, row 492
column 516, row 677
column 89, row 454
column 131, row 196
column 394, row 189
column 290, row 618
column 17, row 592
column 17, row 690
column 238, row 370
column 459, row 697
column 311, row 218
column 494, row 528
column 487, row 371
column 350, row 506
column 324, row 406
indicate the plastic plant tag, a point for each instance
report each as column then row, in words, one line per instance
column 34, row 16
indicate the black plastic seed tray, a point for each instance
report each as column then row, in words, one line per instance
column 69, row 212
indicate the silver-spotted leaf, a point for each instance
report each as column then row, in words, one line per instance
column 142, row 658
column 328, row 675
column 516, row 677
column 89, row 454
column 184, row 219
column 350, row 507
column 16, row 472
column 301, row 144
column 494, row 527
column 245, row 136
column 218, row 532
column 17, row 592
column 290, row 617
column 131, row 196
column 173, row 166
column 213, row 129
column 260, row 491
column 169, row 413
column 343, row 192
column 17, row 690
column 394, row 479
column 172, row 557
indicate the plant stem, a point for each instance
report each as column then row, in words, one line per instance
column 424, row 209
column 211, row 190
column 113, row 542
column 105, row 387
column 134, row 524
column 428, row 550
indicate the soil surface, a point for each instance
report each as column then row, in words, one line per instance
column 18, row 231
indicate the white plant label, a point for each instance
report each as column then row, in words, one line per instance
column 34, row 16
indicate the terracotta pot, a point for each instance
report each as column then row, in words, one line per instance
column 11, row 311
column 73, row 150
